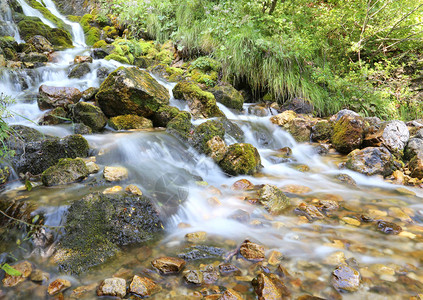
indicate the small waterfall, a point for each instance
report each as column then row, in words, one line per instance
column 32, row 12
column 78, row 36
column 7, row 24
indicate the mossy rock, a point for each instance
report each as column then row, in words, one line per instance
column 92, row 33
column 89, row 115
column 4, row 174
column 100, row 44
column 111, row 32
column 131, row 91
column 416, row 166
column 127, row 122
column 205, row 64
column 56, row 116
column 348, row 133
column 32, row 26
column 208, row 79
column 9, row 47
column 228, row 96
column 202, row 104
column 79, row 70
column 174, row 74
column 164, row 114
column 322, row 131
column 66, row 171
column 48, row 15
column 119, row 58
column 180, row 125
column 232, row 129
column 241, row 159
column 98, row 225
column 205, row 132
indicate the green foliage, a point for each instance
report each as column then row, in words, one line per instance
column 332, row 52
column 5, row 130
column 10, row 270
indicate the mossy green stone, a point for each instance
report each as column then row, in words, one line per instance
column 241, row 159
column 127, row 122
column 180, row 125
column 66, row 171
column 348, row 133
column 205, row 132
column 228, row 96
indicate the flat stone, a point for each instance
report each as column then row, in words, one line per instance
column 242, row 184
column 25, row 267
column 196, row 237
column 83, row 291
column 193, row 277
column 168, row 265
column 351, row 221
column 57, row 286
column 226, row 269
column 345, row 278
column 113, row 190
column 115, row 173
column 252, row 251
column 112, row 287
column 143, row 286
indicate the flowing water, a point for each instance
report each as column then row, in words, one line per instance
column 7, row 24
column 167, row 169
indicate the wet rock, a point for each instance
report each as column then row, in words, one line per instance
column 416, row 166
column 346, row 179
column 79, row 70
column 92, row 167
column 275, row 258
column 345, row 278
column 273, row 199
column 205, row 132
column 270, row 287
column 242, row 184
column 33, row 57
column 90, row 115
column 240, row 215
column 298, row 126
column 143, row 286
column 393, row 135
column 97, row 225
column 210, row 274
column 348, row 133
column 112, row 287
column 58, row 286
column 230, row 294
column 241, row 159
column 36, row 157
column 216, row 148
column 39, row 276
column 259, row 110
column 131, row 91
column 201, row 252
column 80, row 128
column 113, row 174
column 82, row 59
column 298, row 105
column 24, row 267
column 127, row 122
column 252, row 251
column 56, row 116
column 40, row 43
column 113, row 190
column 133, row 189
column 321, row 132
column 164, row 114
column 168, row 265
column 414, row 147
column 196, row 237
column 89, row 94
column 67, row 170
column 193, row 277
column 4, row 174
column 309, row 211
column 102, row 73
column 232, row 129
column 82, row 292
column 371, row 161
column 180, row 125
column 52, row 97
column 228, row 96
column 202, row 104
column 388, row 227
column 226, row 269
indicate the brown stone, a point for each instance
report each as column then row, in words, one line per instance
column 168, row 265
column 25, row 267
column 251, row 251
column 196, row 237
column 230, row 294
column 143, row 286
column 39, row 276
column 345, row 278
column 242, row 184
column 193, row 277
column 57, row 286
column 309, row 211
column 52, row 97
column 388, row 227
column 112, row 287
column 82, row 59
column 229, row 270
column 83, row 291
column 270, row 287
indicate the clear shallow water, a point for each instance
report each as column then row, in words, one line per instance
column 167, row 169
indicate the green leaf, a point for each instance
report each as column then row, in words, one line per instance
column 28, row 185
column 10, row 270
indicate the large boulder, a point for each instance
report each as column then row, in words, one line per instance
column 414, row 147
column 90, row 115
column 202, row 104
column 298, row 125
column 241, row 159
column 205, row 132
column 348, row 133
column 393, row 135
column 131, row 91
column 99, row 224
column 228, row 96
column 38, row 155
column 67, row 170
column 371, row 161
column 52, row 96
column 273, row 199
column 127, row 122
column 416, row 165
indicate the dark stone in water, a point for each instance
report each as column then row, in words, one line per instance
column 201, row 252
column 228, row 269
column 98, row 224
column 388, row 227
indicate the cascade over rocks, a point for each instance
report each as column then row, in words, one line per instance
column 97, row 225
column 371, row 161
column 131, row 91
column 52, row 97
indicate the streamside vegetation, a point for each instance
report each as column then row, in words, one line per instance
column 363, row 54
